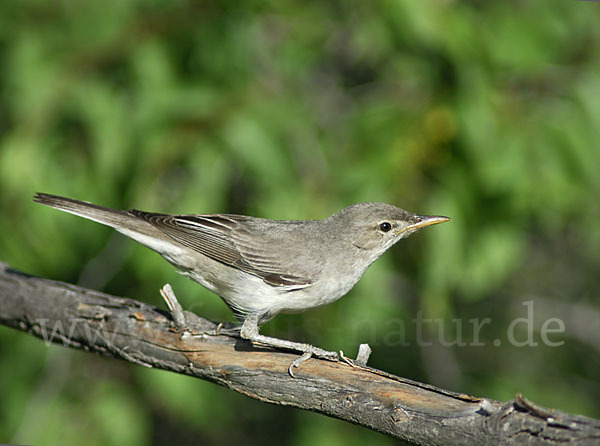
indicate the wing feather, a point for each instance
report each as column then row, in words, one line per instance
column 226, row 239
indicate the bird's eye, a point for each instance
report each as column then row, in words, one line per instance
column 385, row 226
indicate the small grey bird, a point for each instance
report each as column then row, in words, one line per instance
column 261, row 267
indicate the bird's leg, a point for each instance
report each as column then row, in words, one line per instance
column 250, row 332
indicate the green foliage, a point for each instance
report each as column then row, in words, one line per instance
column 483, row 111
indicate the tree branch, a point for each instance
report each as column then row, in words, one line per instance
column 142, row 334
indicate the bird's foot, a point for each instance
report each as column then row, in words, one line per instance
column 250, row 332
column 308, row 353
column 226, row 329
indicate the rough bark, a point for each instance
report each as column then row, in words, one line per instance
column 418, row 413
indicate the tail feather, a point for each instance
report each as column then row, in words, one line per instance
column 125, row 222
column 111, row 217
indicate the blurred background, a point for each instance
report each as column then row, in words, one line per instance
column 488, row 112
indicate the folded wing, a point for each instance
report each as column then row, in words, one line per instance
column 228, row 239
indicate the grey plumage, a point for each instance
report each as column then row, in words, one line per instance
column 263, row 267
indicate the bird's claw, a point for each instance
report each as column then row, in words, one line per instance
column 299, row 360
column 312, row 351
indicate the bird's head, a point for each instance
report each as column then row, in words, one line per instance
column 377, row 226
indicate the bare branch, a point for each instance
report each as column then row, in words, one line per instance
column 142, row 334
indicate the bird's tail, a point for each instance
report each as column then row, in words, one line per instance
column 123, row 221
column 111, row 217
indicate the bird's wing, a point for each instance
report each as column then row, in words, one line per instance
column 224, row 238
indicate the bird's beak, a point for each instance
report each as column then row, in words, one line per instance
column 424, row 220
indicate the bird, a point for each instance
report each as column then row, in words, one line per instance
column 262, row 267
